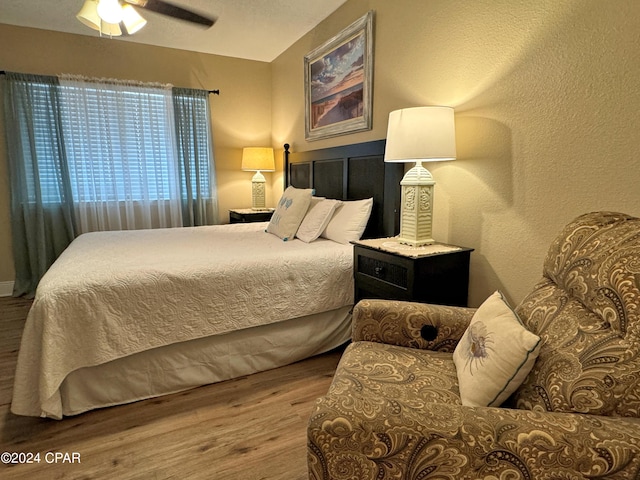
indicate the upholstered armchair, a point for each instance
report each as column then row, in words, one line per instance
column 394, row 409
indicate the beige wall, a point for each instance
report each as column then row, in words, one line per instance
column 547, row 99
column 241, row 115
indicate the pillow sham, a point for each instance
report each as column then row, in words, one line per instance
column 290, row 211
column 495, row 354
column 317, row 219
column 349, row 221
column 315, row 200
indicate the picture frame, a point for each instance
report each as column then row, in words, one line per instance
column 338, row 80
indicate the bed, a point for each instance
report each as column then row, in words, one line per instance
column 125, row 316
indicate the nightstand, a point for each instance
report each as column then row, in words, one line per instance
column 438, row 273
column 248, row 215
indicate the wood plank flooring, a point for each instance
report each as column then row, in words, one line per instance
column 249, row 428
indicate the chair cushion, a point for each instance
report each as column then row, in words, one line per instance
column 410, row 376
column 494, row 355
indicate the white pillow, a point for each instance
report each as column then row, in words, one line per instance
column 314, row 201
column 349, row 221
column 317, row 219
column 290, row 211
column 495, row 354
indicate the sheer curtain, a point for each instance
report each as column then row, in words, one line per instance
column 121, row 148
column 197, row 175
column 42, row 219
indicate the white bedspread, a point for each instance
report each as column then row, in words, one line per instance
column 112, row 294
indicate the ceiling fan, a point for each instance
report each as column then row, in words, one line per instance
column 118, row 17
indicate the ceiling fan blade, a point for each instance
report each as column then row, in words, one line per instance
column 171, row 10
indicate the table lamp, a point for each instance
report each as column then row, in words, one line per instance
column 258, row 159
column 420, row 134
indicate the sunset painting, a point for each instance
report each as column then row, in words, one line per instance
column 337, row 83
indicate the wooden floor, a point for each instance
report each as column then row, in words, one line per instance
column 249, row 428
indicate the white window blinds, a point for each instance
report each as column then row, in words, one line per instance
column 120, row 142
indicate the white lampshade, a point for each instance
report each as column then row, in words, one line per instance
column 88, row 14
column 421, row 134
column 131, row 19
column 111, row 29
column 258, row 159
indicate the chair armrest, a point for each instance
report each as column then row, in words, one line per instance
column 372, row 437
column 409, row 324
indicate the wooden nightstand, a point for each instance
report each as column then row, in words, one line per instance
column 248, row 215
column 384, row 268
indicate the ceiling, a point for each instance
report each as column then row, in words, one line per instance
column 251, row 29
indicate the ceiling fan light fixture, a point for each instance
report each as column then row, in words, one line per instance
column 118, row 17
column 132, row 20
column 110, row 11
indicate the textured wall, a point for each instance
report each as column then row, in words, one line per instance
column 547, row 99
column 241, row 115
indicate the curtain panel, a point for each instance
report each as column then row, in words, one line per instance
column 42, row 217
column 194, row 145
column 94, row 154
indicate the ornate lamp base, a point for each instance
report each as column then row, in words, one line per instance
column 258, row 187
column 416, row 215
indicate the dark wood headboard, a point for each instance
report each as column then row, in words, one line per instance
column 351, row 172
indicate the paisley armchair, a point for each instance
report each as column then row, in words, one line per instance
column 394, row 411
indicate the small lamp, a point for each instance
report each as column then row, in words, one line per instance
column 258, row 159
column 421, row 134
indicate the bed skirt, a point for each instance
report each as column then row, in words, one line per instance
column 190, row 364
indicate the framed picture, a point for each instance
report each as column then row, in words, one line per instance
column 338, row 78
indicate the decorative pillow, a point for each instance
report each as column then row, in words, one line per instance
column 290, row 211
column 495, row 354
column 349, row 221
column 315, row 200
column 317, row 219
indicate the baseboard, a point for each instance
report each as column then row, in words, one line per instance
column 6, row 289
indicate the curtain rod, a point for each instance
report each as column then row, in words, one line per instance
column 214, row 92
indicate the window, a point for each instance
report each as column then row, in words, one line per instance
column 127, row 155
column 120, row 143
column 89, row 155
